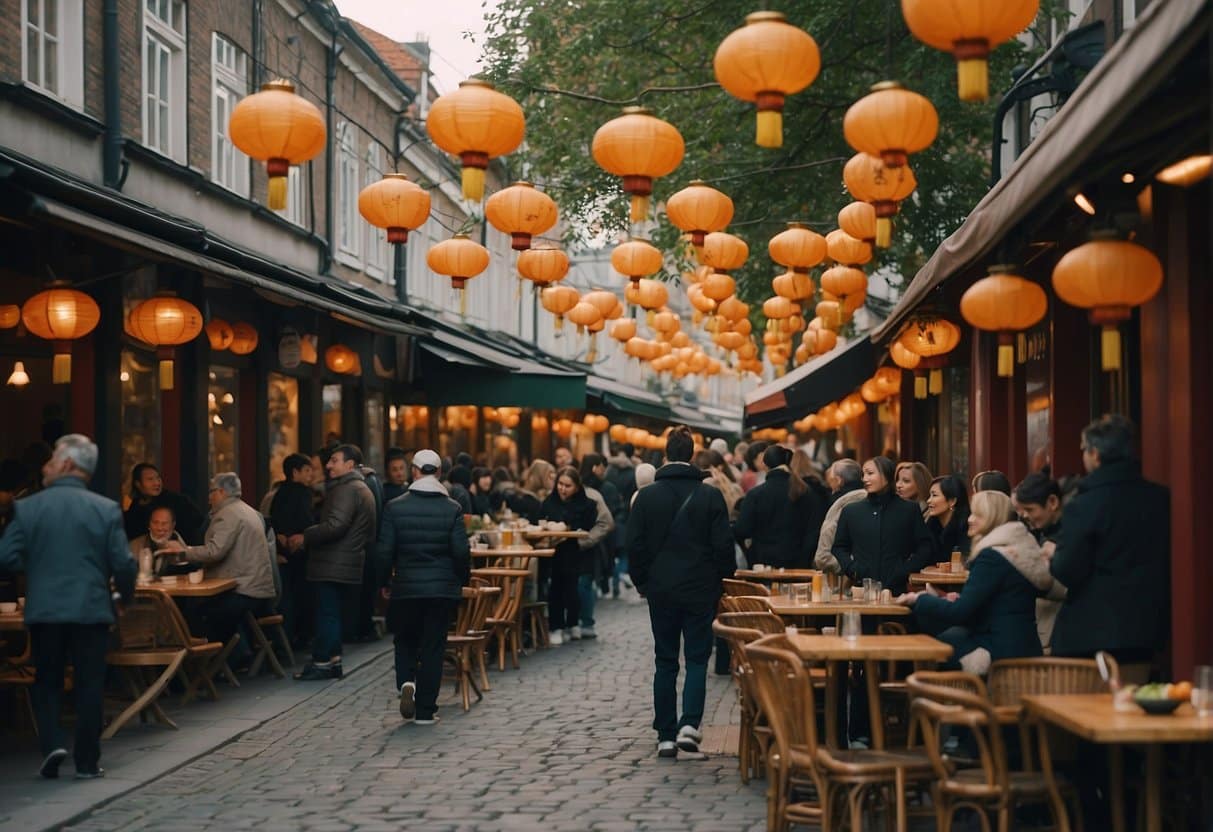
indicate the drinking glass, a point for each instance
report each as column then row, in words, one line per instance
column 957, row 561
column 802, row 593
column 875, row 592
column 867, row 589
column 817, row 586
column 1202, row 690
column 507, row 537
column 850, row 625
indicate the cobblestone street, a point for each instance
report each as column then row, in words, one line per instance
column 562, row 744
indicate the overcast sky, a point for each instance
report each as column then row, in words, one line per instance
column 445, row 23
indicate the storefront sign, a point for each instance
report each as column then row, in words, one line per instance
column 290, row 350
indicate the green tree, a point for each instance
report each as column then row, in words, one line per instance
column 574, row 63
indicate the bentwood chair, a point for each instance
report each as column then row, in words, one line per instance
column 1010, row 680
column 745, row 603
column 150, row 637
column 860, row 776
column 755, row 734
column 734, row 586
column 465, row 646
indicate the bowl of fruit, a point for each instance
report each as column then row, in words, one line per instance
column 1162, row 698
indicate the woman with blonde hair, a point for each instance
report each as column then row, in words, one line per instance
column 537, row 483
column 912, row 482
column 994, row 616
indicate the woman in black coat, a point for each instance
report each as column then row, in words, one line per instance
column 948, row 515
column 568, row 504
column 884, row 536
column 781, row 517
column 994, row 616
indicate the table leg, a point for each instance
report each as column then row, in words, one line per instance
column 872, row 679
column 831, row 718
column 899, row 794
column 1046, row 767
column 1116, row 786
column 1154, row 788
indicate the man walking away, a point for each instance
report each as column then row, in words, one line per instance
column 680, row 547
column 336, row 549
column 70, row 543
column 423, row 549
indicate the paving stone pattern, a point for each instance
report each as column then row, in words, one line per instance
column 562, row 744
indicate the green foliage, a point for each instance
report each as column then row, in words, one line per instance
column 573, row 63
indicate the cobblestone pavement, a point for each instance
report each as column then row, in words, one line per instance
column 562, row 744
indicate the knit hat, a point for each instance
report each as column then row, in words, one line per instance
column 645, row 474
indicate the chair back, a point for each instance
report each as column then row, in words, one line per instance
column 733, row 586
column 784, row 693
column 765, row 621
column 1012, row 679
column 745, row 603
column 151, row 621
column 960, row 699
column 479, row 608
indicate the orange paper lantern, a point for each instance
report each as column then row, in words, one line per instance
column 635, row 259
column 244, row 338
column 476, row 123
column 845, row 249
column 522, row 212
column 699, row 209
column 220, row 333
column 10, row 315
column 639, row 147
column 559, row 300
column 891, row 122
column 858, row 220
column 165, row 321
column 460, row 259
column 870, row 180
column 1004, row 303
column 61, row 315
column 341, row 360
column 396, row 205
column 798, row 248
column 543, row 266
column 280, row 128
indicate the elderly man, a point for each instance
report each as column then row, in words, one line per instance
column 336, row 551
column 845, row 479
column 71, row 543
column 236, row 547
column 161, row 531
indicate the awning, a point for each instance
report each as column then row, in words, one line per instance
column 626, row 399
column 709, row 423
column 1128, row 75
column 460, row 369
column 131, row 239
column 812, row 386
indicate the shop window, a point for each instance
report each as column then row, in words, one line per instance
column 331, row 411
column 164, row 93
column 376, row 238
column 298, row 180
column 222, row 415
column 1034, row 360
column 375, row 429
column 229, row 80
column 51, row 48
column 282, row 409
column 140, row 413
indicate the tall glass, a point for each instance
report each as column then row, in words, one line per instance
column 1202, row 690
column 507, row 537
column 874, row 592
column 851, row 625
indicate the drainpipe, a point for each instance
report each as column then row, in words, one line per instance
column 113, row 166
column 330, row 80
column 256, row 29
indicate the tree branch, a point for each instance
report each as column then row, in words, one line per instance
column 623, row 102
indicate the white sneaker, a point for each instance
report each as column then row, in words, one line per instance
column 430, row 721
column 689, row 738
column 588, row 632
column 555, row 637
column 572, row 633
column 408, row 700
column 667, row 748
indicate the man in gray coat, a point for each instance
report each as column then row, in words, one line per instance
column 70, row 542
column 336, row 548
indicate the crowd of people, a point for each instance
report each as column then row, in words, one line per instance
column 334, row 544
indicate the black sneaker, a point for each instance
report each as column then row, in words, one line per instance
column 317, row 673
column 91, row 774
column 667, row 749
column 50, row 765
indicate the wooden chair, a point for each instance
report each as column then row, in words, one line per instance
column 535, row 619
column 765, row 621
column 17, row 673
column 745, row 603
column 787, row 698
column 755, row 735
column 734, row 586
column 264, row 648
column 892, row 688
column 465, row 646
column 954, row 698
column 505, row 620
column 150, row 637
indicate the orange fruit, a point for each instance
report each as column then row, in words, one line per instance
column 1181, row 691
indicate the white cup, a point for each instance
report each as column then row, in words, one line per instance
column 21, row 603
column 8, row 607
column 197, row 576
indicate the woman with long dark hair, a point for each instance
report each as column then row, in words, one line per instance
column 781, row 517
column 568, row 504
column 948, row 515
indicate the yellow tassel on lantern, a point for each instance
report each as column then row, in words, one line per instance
column 166, row 374
column 473, row 183
column 1006, row 360
column 61, row 370
column 769, row 132
column 1109, row 342
column 592, row 355
column 277, row 194
column 559, row 323
column 649, row 315
column 884, row 232
column 463, row 302
column 936, row 382
column 973, row 79
column 920, row 387
column 640, row 207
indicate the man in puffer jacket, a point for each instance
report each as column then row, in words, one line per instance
column 423, row 548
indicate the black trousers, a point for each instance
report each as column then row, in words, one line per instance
column 420, row 627
column 297, row 605
column 221, row 617
column 564, row 605
column 52, row 647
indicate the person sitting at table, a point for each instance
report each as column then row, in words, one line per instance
column 481, row 488
column 845, row 479
column 781, row 517
column 996, row 609
column 236, row 547
column 948, row 515
column 148, row 492
column 161, row 530
column 537, row 483
column 912, row 482
column 573, row 507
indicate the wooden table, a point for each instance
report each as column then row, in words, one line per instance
column 500, row 572
column 12, row 620
column 786, row 608
column 545, row 534
column 1092, row 717
column 207, row 588
column 513, row 552
column 777, row 576
column 939, row 578
column 836, row 650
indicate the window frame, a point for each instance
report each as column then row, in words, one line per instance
column 228, row 85
column 375, row 242
column 165, row 37
column 298, row 180
column 69, row 41
column 349, row 238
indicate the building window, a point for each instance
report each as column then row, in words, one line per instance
column 164, row 93
column 298, row 180
column 348, row 232
column 222, row 418
column 330, row 412
column 51, row 47
column 282, row 410
column 376, row 238
column 229, row 79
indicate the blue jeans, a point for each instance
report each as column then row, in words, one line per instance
column 585, row 598
column 330, row 598
column 694, row 629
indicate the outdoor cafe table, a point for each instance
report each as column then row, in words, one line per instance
column 835, row 651
column 1091, row 717
column 513, row 552
column 948, row 579
column 547, row 534
column 182, row 588
column 777, row 576
column 786, row 608
column 12, row 620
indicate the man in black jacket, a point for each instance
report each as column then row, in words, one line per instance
column 1113, row 554
column 680, row 549
column 290, row 513
column 423, row 549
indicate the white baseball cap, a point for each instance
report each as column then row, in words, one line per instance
column 428, row 461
